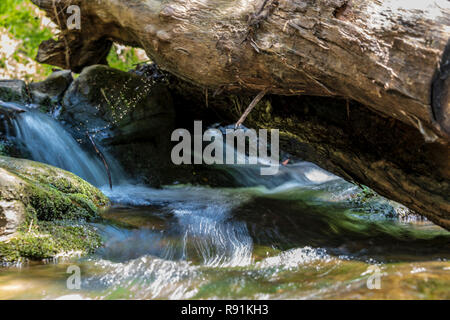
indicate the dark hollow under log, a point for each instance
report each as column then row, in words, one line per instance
column 345, row 138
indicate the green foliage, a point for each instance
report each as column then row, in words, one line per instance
column 22, row 22
column 124, row 61
column 19, row 18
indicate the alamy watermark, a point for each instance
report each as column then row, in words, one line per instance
column 222, row 151
column 74, row 280
column 74, row 21
column 374, row 280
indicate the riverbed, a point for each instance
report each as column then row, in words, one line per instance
column 298, row 237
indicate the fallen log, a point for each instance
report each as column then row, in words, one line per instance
column 391, row 57
column 383, row 54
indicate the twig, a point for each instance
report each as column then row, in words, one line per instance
column 218, row 91
column 251, row 106
column 106, row 98
column 102, row 157
column 31, row 224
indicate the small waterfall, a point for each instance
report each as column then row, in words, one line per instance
column 296, row 174
column 47, row 141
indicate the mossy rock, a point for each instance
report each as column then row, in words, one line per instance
column 3, row 148
column 44, row 210
column 48, row 93
column 47, row 240
column 104, row 97
column 13, row 91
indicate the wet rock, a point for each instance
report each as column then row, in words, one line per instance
column 13, row 91
column 103, row 97
column 12, row 211
column 129, row 115
column 12, row 214
column 52, row 89
column 42, row 209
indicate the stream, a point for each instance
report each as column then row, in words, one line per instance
column 297, row 235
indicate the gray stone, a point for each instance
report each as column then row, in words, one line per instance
column 12, row 211
column 52, row 89
column 12, row 214
column 13, row 91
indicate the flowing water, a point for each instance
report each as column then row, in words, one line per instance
column 45, row 140
column 292, row 236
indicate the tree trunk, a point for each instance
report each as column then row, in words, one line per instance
column 390, row 56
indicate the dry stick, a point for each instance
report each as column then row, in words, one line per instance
column 102, row 157
column 106, row 98
column 31, row 225
column 251, row 106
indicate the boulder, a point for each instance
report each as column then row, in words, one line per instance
column 42, row 210
column 13, row 91
column 129, row 115
column 52, row 89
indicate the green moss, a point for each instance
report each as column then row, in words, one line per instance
column 364, row 195
column 47, row 239
column 7, row 95
column 51, row 204
column 58, row 205
column 84, row 203
column 45, row 181
column 3, row 149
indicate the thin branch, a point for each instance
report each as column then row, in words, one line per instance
column 251, row 106
column 31, row 225
column 100, row 154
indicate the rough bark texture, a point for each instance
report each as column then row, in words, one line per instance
column 390, row 56
column 383, row 54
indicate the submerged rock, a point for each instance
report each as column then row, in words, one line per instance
column 42, row 210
